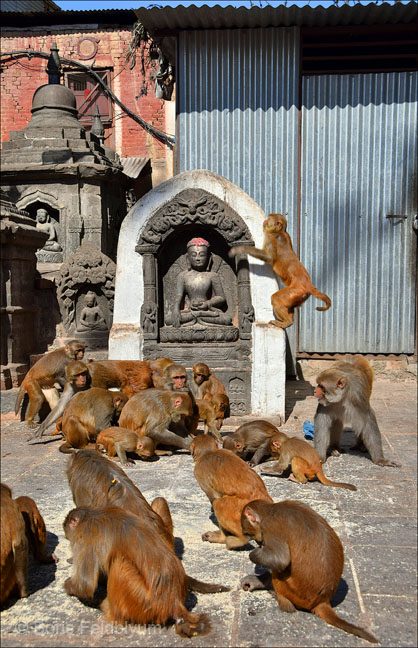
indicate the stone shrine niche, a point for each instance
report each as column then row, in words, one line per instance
column 197, row 301
column 46, row 219
column 85, row 295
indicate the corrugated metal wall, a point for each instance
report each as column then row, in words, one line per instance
column 359, row 156
column 238, row 116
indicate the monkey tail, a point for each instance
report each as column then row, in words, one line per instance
column 327, row 482
column 325, row 611
column 191, row 625
column 323, row 297
column 66, row 448
column 205, row 588
column 19, row 398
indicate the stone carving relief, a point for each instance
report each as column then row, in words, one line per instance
column 51, row 252
column 86, row 288
column 194, row 206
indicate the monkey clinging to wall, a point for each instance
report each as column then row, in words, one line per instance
column 278, row 252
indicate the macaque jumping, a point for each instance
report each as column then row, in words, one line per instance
column 304, row 459
column 118, row 441
column 205, row 382
column 229, row 484
column 253, row 437
column 87, row 413
column 343, row 392
column 129, row 376
column 305, row 557
column 22, row 526
column 146, row 584
column 278, row 252
column 150, row 412
column 39, row 382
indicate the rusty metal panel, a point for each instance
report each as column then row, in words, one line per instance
column 359, row 157
column 238, row 116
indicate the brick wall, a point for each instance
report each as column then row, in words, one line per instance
column 21, row 77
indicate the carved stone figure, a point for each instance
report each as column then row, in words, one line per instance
column 91, row 317
column 200, row 289
column 85, row 294
column 43, row 223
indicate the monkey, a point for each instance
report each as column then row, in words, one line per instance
column 305, row 462
column 87, row 413
column 278, row 252
column 221, row 404
column 175, row 379
column 129, row 376
column 204, row 381
column 343, row 392
column 254, row 437
column 145, row 582
column 22, row 526
column 207, row 413
column 230, row 484
column 35, row 529
column 95, row 481
column 305, row 557
column 39, row 382
column 14, row 548
column 157, row 368
column 119, row 441
column 150, row 413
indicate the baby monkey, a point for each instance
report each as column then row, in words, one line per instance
column 118, row 441
column 305, row 462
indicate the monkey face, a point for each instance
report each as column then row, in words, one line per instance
column 80, row 380
column 275, row 223
column 330, row 388
column 199, row 378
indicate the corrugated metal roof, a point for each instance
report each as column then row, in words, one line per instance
column 29, row 5
column 220, row 16
column 133, row 166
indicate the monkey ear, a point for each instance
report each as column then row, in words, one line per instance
column 139, row 445
column 67, row 348
column 276, row 444
column 252, row 516
column 341, row 382
column 238, row 445
column 177, row 402
column 73, row 520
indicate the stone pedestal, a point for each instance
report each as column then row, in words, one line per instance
column 19, row 241
column 252, row 365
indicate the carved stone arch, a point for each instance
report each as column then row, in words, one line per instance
column 32, row 196
column 193, row 207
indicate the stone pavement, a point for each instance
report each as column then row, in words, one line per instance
column 377, row 525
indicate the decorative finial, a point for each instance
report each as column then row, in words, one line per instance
column 97, row 126
column 54, row 66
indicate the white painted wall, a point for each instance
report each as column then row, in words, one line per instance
column 125, row 342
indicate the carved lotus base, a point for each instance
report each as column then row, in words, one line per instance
column 199, row 333
column 45, row 256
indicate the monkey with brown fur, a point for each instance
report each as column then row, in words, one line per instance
column 129, row 376
column 145, row 582
column 118, row 441
column 305, row 462
column 96, row 481
column 21, row 526
column 220, row 402
column 343, row 392
column 278, row 252
column 39, row 382
column 207, row 413
column 150, row 412
column 157, row 368
column 87, row 413
column 253, row 437
column 175, row 379
column 14, row 548
column 305, row 557
column 205, row 382
column 230, row 484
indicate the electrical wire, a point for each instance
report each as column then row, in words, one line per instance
column 169, row 140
